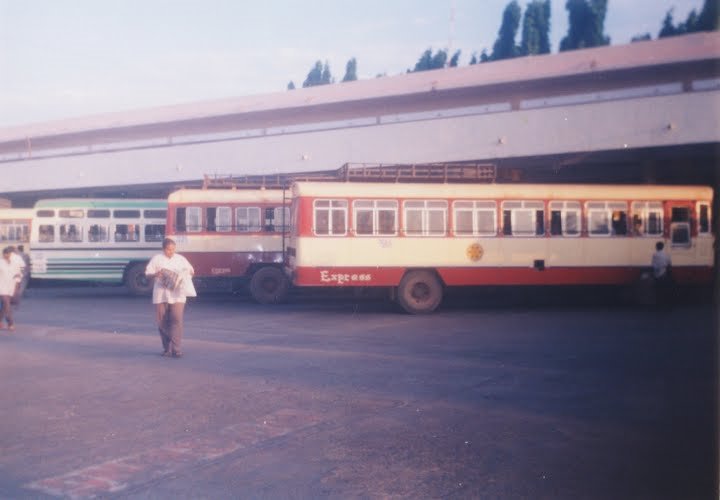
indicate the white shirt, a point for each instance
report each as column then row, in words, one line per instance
column 18, row 264
column 660, row 263
column 176, row 263
column 8, row 272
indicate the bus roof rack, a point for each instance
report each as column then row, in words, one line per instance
column 419, row 172
column 277, row 181
column 457, row 172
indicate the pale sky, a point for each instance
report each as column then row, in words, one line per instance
column 68, row 58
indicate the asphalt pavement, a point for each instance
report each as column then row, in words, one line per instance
column 497, row 395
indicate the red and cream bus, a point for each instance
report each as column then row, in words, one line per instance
column 233, row 236
column 418, row 238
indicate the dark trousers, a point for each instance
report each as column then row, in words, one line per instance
column 170, row 325
column 6, row 311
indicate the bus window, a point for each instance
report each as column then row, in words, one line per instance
column 375, row 217
column 154, row 232
column 218, row 219
column 223, row 219
column 619, row 222
column 680, row 226
column 72, row 214
column 277, row 219
column 98, row 214
column 474, row 218
column 330, row 217
column 126, row 214
column 155, row 214
column 565, row 218
column 425, row 217
column 46, row 233
column 607, row 218
column 647, row 218
column 71, row 233
column 247, row 219
column 523, row 218
column 280, row 218
column 192, row 219
column 386, row 214
column 127, row 232
column 704, row 224
column 98, row 232
column 180, row 220
column 45, row 213
column 363, row 210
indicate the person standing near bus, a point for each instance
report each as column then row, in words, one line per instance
column 661, row 264
column 8, row 281
column 173, row 284
column 21, row 268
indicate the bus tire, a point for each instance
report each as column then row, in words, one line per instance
column 269, row 285
column 136, row 281
column 420, row 292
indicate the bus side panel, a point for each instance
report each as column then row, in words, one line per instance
column 348, row 276
column 228, row 264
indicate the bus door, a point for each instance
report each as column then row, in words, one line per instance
column 682, row 242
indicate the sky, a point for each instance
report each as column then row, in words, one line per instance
column 67, row 58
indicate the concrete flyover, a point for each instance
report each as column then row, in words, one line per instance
column 648, row 110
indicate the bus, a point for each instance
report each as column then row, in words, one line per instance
column 99, row 240
column 15, row 226
column 416, row 239
column 233, row 237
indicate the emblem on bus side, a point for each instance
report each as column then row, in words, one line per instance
column 475, row 252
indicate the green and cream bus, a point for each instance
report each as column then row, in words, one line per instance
column 100, row 240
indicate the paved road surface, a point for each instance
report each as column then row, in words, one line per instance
column 497, row 397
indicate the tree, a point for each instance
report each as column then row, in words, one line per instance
column 429, row 61
column 318, row 75
column 454, row 59
column 291, row 85
column 668, row 27
column 474, row 59
column 586, row 24
column 505, row 47
column 536, row 28
column 326, row 75
column 484, row 57
column 707, row 20
column 350, row 71
column 314, row 76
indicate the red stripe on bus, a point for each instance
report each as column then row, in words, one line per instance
column 465, row 276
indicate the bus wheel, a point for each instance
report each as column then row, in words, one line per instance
column 420, row 292
column 269, row 285
column 136, row 281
